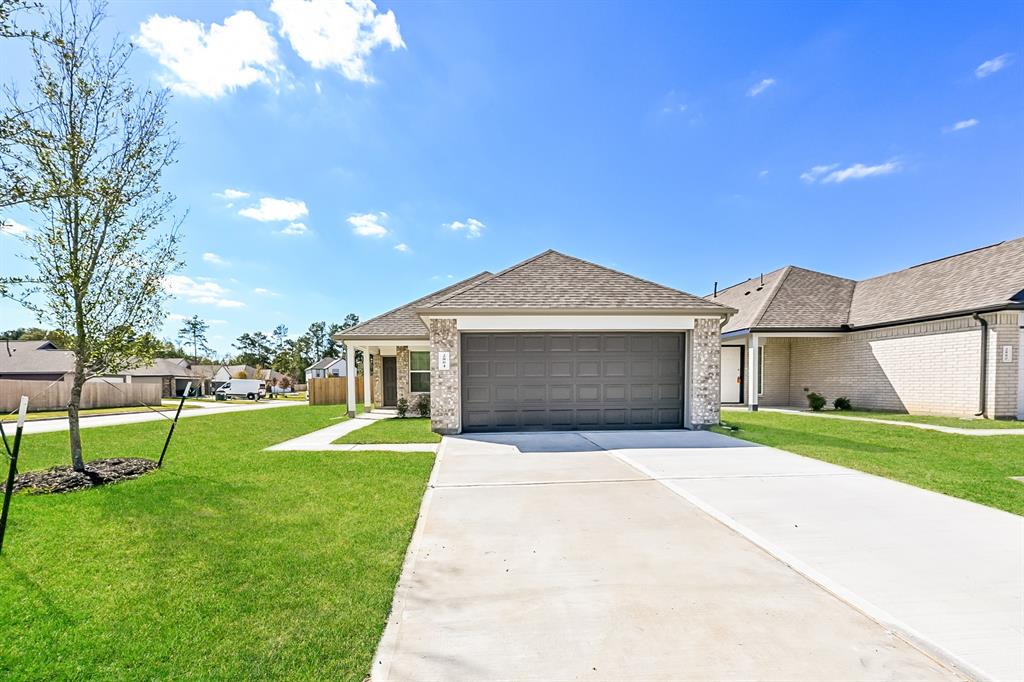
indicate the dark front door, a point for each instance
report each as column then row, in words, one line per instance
column 390, row 378
column 533, row 382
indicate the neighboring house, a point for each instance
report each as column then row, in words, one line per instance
column 943, row 337
column 554, row 342
column 173, row 375
column 35, row 360
column 326, row 367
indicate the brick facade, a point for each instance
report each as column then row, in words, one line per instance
column 705, row 373
column 925, row 368
column 402, row 370
column 445, row 384
column 377, row 379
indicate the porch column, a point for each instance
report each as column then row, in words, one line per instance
column 350, row 377
column 753, row 371
column 367, row 396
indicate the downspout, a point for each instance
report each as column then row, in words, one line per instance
column 983, row 383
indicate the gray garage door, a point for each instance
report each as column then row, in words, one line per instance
column 533, row 382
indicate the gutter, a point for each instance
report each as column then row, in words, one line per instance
column 983, row 379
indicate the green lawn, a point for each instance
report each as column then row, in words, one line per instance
column 230, row 563
column 408, row 430
column 928, row 419
column 972, row 467
column 60, row 414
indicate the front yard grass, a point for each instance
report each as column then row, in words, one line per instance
column 230, row 563
column 397, row 430
column 976, row 468
column 930, row 419
column 62, row 414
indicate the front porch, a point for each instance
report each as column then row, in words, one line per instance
column 391, row 373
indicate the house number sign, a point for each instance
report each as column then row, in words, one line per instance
column 444, row 360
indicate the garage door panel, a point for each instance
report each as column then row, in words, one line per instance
column 572, row 381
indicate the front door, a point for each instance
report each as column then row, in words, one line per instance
column 732, row 374
column 389, row 375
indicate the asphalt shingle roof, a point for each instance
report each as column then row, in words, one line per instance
column 404, row 322
column 553, row 281
column 795, row 298
column 34, row 357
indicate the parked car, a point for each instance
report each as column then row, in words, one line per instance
column 250, row 389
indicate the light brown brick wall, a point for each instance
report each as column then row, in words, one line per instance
column 705, row 373
column 775, row 389
column 445, row 384
column 1004, row 331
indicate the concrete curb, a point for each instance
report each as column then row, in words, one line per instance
column 385, row 652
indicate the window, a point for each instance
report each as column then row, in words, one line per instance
column 760, row 370
column 419, row 372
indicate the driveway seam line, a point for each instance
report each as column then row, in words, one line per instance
column 652, row 479
column 868, row 609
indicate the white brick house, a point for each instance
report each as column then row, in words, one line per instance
column 552, row 343
column 910, row 341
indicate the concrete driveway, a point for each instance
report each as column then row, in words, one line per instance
column 554, row 557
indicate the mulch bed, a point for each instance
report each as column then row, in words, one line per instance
column 64, row 479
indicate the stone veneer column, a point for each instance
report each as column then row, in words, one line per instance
column 402, row 368
column 377, row 376
column 445, row 384
column 705, row 370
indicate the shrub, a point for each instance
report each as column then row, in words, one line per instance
column 423, row 405
column 403, row 407
column 842, row 403
column 816, row 401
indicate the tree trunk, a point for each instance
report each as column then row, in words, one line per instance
column 73, row 431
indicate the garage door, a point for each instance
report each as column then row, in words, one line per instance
column 534, row 382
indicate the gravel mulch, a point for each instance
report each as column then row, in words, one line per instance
column 64, row 479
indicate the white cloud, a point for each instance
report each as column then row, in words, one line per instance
column 213, row 259
column 817, row 172
column 762, row 174
column 217, row 322
column 271, row 209
column 209, row 62
column 403, row 247
column 858, row 171
column 260, row 291
column 760, row 87
column 175, row 317
column 231, row 194
column 329, row 33
column 368, row 224
column 961, row 125
column 473, row 227
column 13, row 228
column 202, row 290
column 986, row 69
column 295, row 229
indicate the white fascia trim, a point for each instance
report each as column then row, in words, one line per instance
column 799, row 335
column 419, row 344
column 576, row 323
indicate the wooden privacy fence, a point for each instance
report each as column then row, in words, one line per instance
column 45, row 395
column 333, row 391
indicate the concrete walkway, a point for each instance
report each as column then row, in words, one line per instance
column 49, row 425
column 556, row 557
column 323, row 440
column 890, row 422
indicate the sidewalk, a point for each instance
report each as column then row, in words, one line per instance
column 890, row 422
column 323, row 440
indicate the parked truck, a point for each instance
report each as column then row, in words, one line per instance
column 250, row 389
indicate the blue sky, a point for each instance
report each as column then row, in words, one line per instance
column 682, row 142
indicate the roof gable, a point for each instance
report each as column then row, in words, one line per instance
column 553, row 281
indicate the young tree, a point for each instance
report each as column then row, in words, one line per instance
column 85, row 152
column 194, row 332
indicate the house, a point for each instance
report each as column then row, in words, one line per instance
column 35, row 360
column 554, row 342
column 326, row 367
column 173, row 375
column 943, row 337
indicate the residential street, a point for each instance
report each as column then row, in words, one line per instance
column 48, row 425
column 566, row 559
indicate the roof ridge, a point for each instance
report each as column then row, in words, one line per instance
column 495, row 276
column 776, row 287
column 939, row 260
column 411, row 304
column 570, row 257
column 765, row 274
